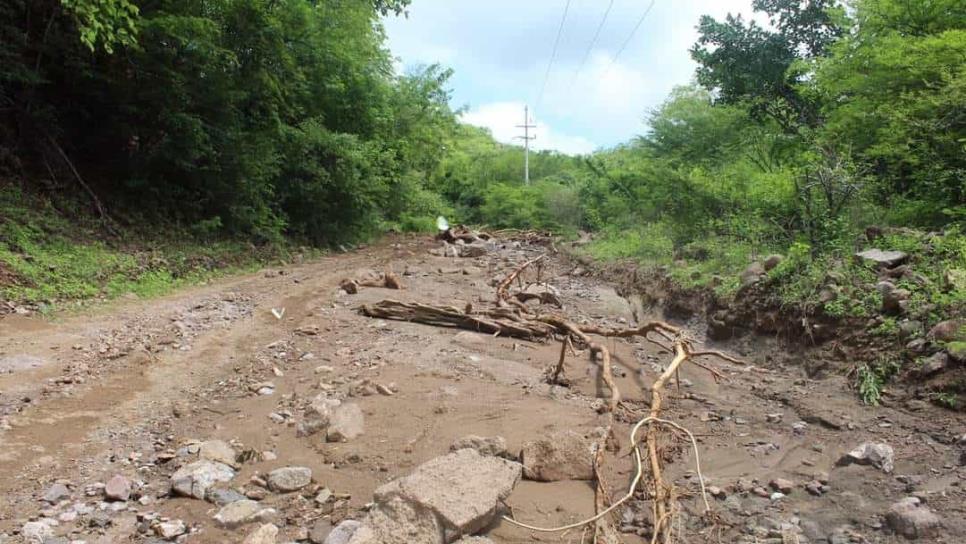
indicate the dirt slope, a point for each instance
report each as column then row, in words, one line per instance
column 131, row 389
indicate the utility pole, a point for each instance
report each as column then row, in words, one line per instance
column 526, row 126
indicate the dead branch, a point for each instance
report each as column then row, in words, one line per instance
column 545, row 297
column 491, row 322
column 501, row 290
column 388, row 280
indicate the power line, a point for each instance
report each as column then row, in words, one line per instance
column 553, row 55
column 593, row 42
column 630, row 37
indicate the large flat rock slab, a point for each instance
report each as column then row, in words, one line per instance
column 463, row 489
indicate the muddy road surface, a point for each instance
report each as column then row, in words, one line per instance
column 266, row 409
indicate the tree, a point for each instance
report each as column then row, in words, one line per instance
column 744, row 62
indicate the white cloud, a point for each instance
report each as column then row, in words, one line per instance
column 500, row 49
column 502, row 118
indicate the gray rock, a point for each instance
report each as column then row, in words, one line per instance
column 473, row 250
column 892, row 301
column 36, row 532
column 494, row 446
column 752, row 274
column 118, row 488
column 909, row 329
column 948, row 331
column 170, row 530
column 347, row 422
column 221, row 496
column 463, row 489
column 564, row 455
column 398, row 521
column 287, row 479
column 194, row 479
column 218, row 451
column 878, row 455
column 320, row 531
column 241, row 512
column 912, row 519
column 882, row 259
column 317, row 415
column 474, row 540
column 935, row 364
column 343, row 532
column 265, row 534
column 56, row 493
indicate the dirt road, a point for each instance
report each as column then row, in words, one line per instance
column 131, row 390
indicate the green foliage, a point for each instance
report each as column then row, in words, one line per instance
column 107, row 23
column 871, row 379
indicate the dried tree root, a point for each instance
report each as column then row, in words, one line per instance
column 545, row 297
column 501, row 289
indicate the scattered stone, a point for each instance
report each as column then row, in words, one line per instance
column 494, row 446
column 218, row 451
column 882, row 259
column 347, row 422
column 782, row 485
column 880, row 456
column 935, row 364
column 263, row 535
column 241, row 512
column 194, row 479
column 221, row 496
column 463, row 490
column 170, row 530
column 774, row 418
column 36, row 532
column 288, row 479
column 912, row 519
column 118, row 488
column 343, row 532
column 564, row 455
column 56, row 493
column 474, row 540
column 717, row 492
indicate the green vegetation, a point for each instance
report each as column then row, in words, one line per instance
column 278, row 122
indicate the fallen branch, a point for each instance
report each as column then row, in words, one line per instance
column 501, row 289
column 388, row 280
column 491, row 322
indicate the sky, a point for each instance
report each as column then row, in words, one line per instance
column 500, row 51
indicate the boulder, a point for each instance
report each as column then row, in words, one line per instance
column 752, row 274
column 347, row 422
column 878, row 455
column 494, row 446
column 241, row 512
column 118, row 488
column 194, row 479
column 218, row 451
column 265, row 534
column 935, row 364
column 343, row 532
column 287, row 479
column 564, row 455
column 882, row 259
column 398, row 521
column 463, row 490
column 948, row 331
column 892, row 301
column 320, row 530
column 911, row 519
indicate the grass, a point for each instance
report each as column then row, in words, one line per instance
column 53, row 259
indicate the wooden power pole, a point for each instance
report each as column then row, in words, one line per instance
column 526, row 126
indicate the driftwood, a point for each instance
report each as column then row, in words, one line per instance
column 388, row 280
column 509, row 316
